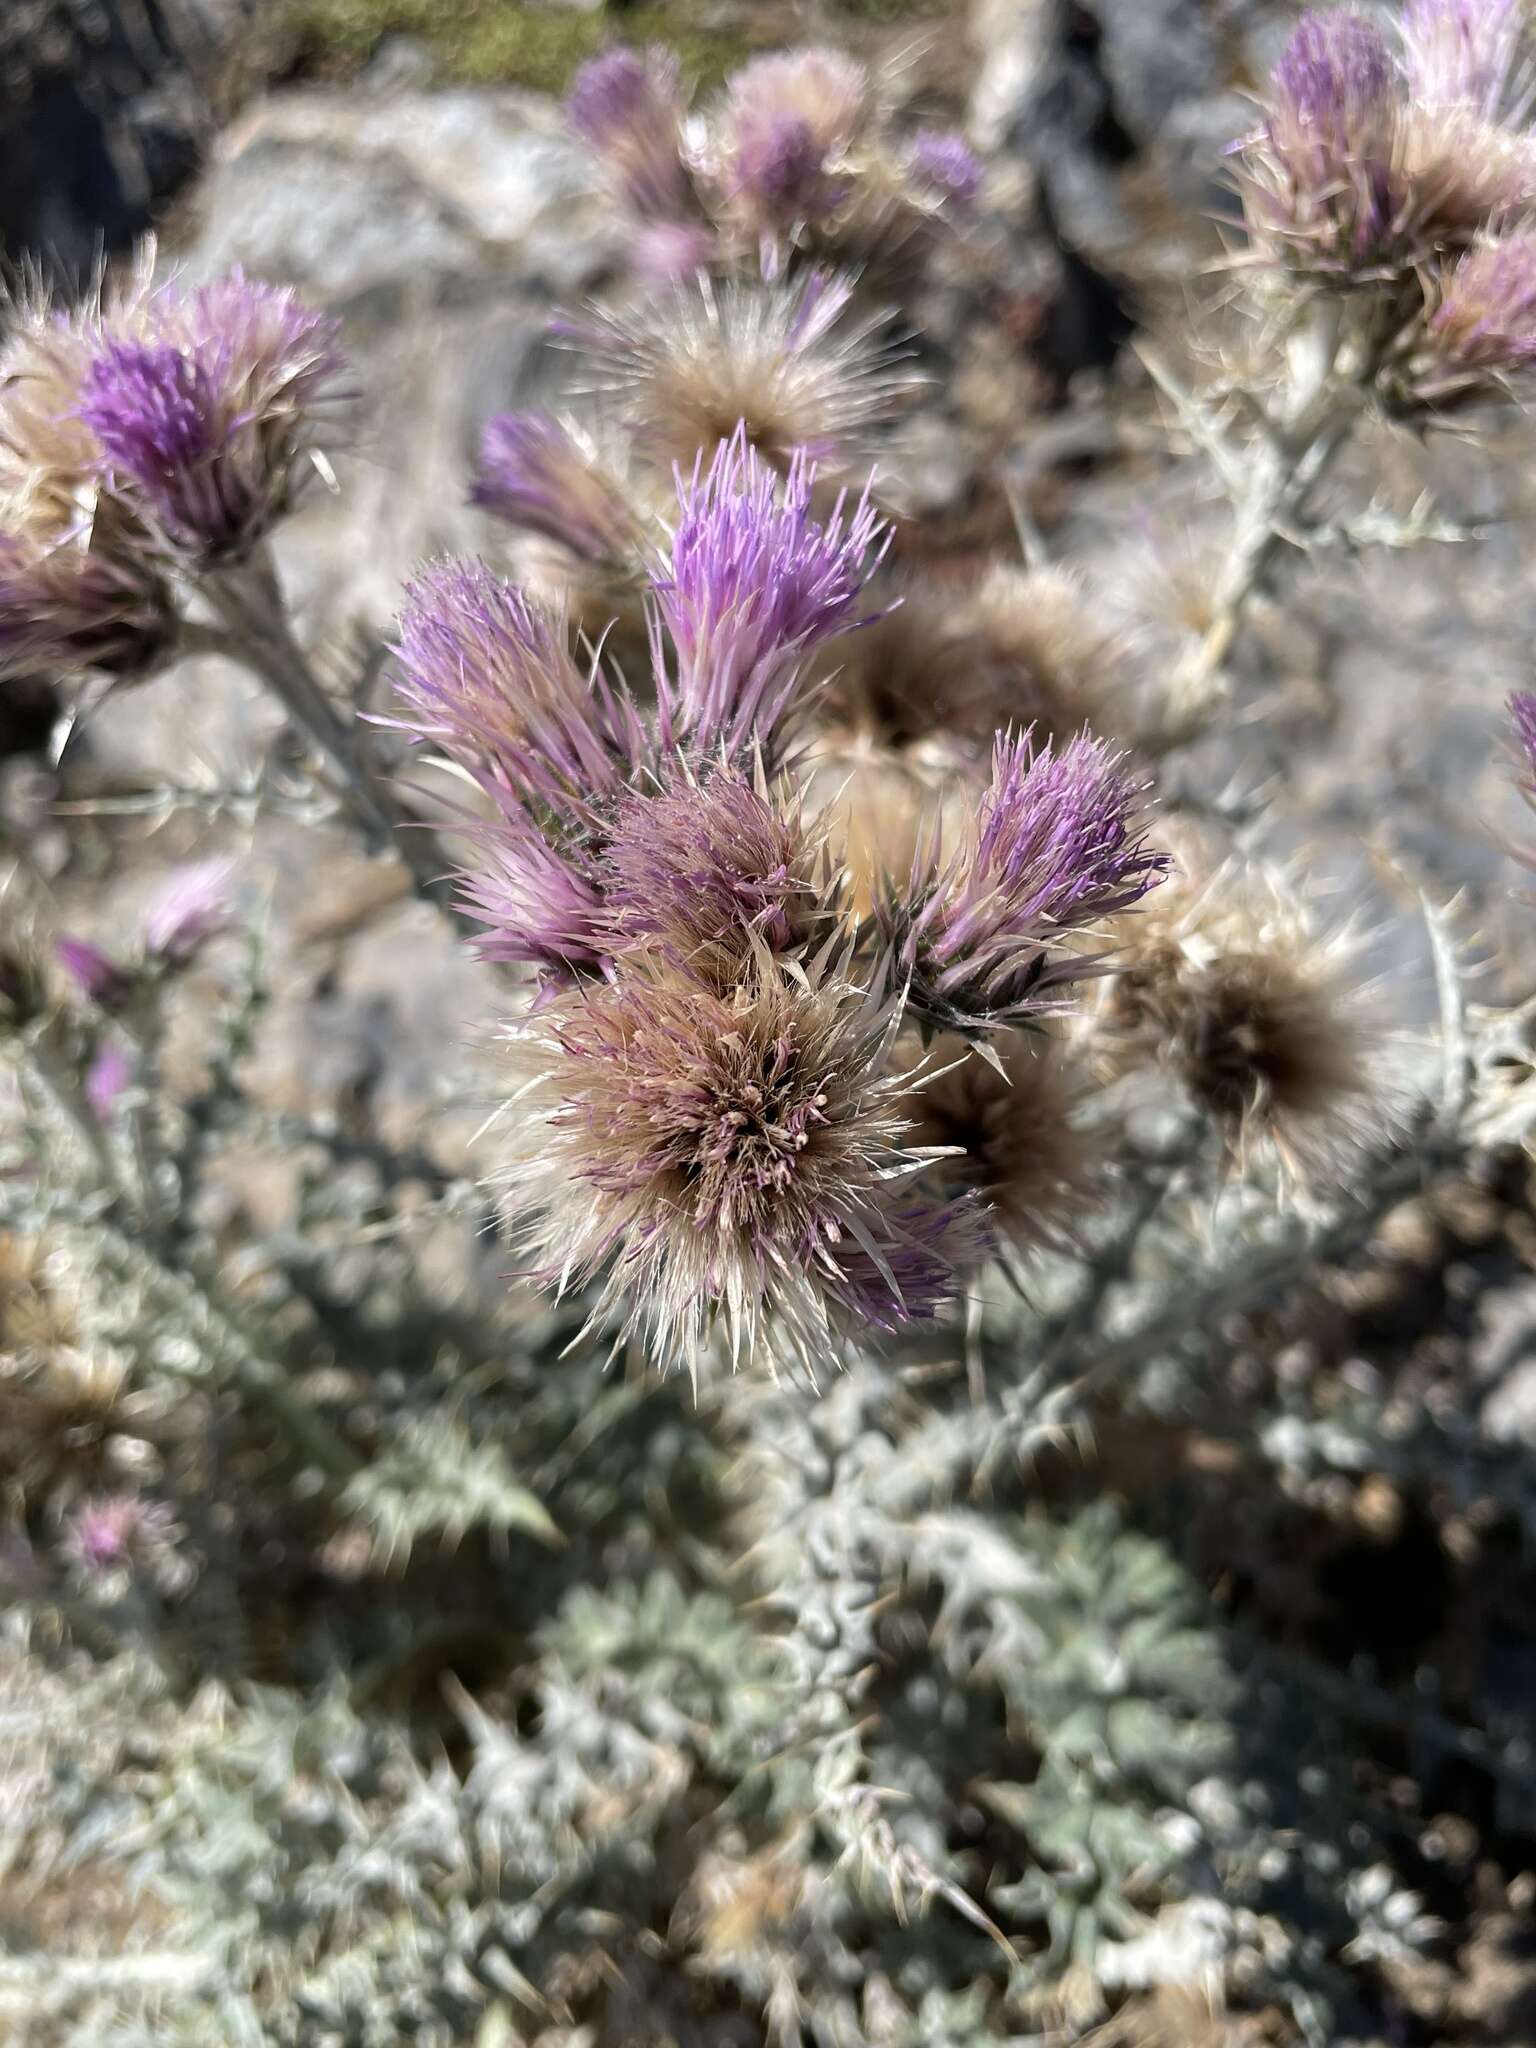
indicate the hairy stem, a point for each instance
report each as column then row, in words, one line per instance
column 258, row 634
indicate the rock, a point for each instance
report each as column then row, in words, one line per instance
column 104, row 113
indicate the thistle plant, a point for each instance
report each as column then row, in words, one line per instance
column 1386, row 271
column 852, row 1554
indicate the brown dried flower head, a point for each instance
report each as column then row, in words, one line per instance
column 1231, row 981
column 1009, row 1123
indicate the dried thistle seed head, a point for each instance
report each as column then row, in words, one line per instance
column 549, row 477
column 752, row 584
column 1044, row 655
column 791, row 364
column 1459, row 173
column 991, row 935
column 1012, row 1135
column 955, row 664
column 708, row 868
column 726, row 1163
column 628, row 107
column 1231, row 982
column 206, row 416
column 878, row 807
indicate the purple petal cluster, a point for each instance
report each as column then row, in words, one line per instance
column 488, row 678
column 1485, row 324
column 1321, row 176
column 754, row 581
column 537, row 896
column 96, row 974
column 780, row 170
column 535, row 474
column 1057, row 850
column 944, row 160
column 204, row 417
column 627, row 106
column 704, row 868
column 1462, row 52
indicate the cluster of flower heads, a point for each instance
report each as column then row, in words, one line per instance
column 797, row 152
column 156, row 436
column 716, row 1105
column 1403, row 171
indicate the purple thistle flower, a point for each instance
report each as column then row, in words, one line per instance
column 1321, row 175
column 943, row 158
column 534, row 473
column 540, row 906
column 487, row 676
column 1055, row 851
column 780, row 171
column 65, row 607
column 107, row 1079
column 97, row 976
column 753, row 582
column 1462, row 52
column 1485, row 324
column 204, row 419
column 707, row 869
column 627, row 106
column 189, row 907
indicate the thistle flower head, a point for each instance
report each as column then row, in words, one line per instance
column 1462, row 52
column 713, row 869
column 780, row 175
column 627, row 106
column 1232, row 984
column 544, row 475
column 686, row 367
column 535, row 894
column 823, row 89
column 95, row 973
column 1007, row 1126
column 1319, row 180
column 941, row 160
column 728, row 1160
column 205, row 416
column 1055, row 851
column 67, row 605
column 188, row 908
column 1485, row 325
column 487, row 676
column 752, row 583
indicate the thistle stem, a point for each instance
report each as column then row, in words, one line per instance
column 257, row 633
